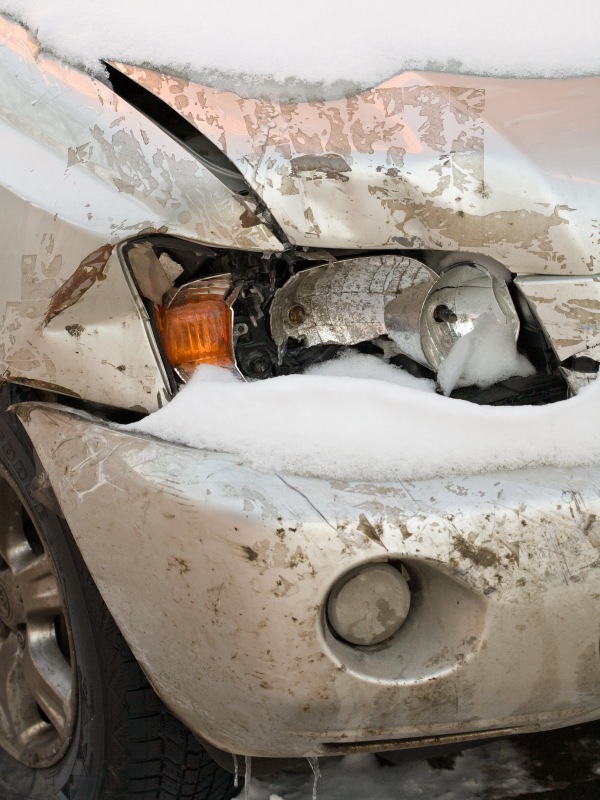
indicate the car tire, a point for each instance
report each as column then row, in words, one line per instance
column 78, row 718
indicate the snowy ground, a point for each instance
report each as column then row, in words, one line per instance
column 563, row 764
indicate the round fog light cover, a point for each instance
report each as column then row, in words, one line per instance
column 369, row 604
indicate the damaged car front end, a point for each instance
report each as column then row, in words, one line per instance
column 152, row 225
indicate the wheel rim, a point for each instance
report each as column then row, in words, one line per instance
column 37, row 662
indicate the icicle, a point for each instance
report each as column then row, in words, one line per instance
column 281, row 351
column 247, row 777
column 236, row 777
column 314, row 765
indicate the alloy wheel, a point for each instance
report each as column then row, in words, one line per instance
column 37, row 662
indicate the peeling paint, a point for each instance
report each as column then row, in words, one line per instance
column 569, row 311
column 75, row 330
column 445, row 154
column 329, row 165
column 90, row 270
column 372, row 532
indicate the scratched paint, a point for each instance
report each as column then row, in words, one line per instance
column 491, row 558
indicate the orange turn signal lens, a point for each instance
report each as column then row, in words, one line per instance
column 196, row 327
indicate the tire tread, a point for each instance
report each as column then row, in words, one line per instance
column 148, row 754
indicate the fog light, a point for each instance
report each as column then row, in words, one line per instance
column 369, row 604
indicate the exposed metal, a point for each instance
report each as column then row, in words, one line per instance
column 154, row 275
column 507, row 565
column 577, row 379
column 569, row 313
column 425, row 160
column 37, row 663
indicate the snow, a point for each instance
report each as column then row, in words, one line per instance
column 345, row 427
column 358, row 417
column 357, row 365
column 492, row 772
column 280, row 47
column 484, row 356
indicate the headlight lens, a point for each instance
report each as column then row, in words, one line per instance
column 461, row 295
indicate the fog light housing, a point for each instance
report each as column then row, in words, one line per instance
column 369, row 604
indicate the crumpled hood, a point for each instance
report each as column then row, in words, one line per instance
column 509, row 168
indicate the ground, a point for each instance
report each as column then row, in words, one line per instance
column 562, row 765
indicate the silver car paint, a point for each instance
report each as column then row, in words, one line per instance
column 83, row 171
column 242, row 562
column 508, row 168
column 225, row 606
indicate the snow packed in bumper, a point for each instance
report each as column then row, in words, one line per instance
column 219, row 577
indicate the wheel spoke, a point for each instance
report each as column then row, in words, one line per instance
column 38, row 587
column 10, row 664
column 14, row 547
column 37, row 665
column 49, row 676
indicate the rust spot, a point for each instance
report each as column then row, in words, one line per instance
column 249, row 220
column 85, row 276
column 179, row 564
column 589, row 523
column 49, row 387
column 483, row 191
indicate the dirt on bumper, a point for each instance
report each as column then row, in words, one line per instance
column 218, row 577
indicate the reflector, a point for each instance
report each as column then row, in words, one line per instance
column 463, row 293
column 196, row 325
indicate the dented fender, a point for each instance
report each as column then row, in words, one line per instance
column 218, row 577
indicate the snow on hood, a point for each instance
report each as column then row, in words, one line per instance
column 362, row 426
column 273, row 45
column 426, row 160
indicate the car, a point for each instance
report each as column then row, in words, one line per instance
column 174, row 617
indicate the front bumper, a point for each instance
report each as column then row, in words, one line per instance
column 218, row 575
